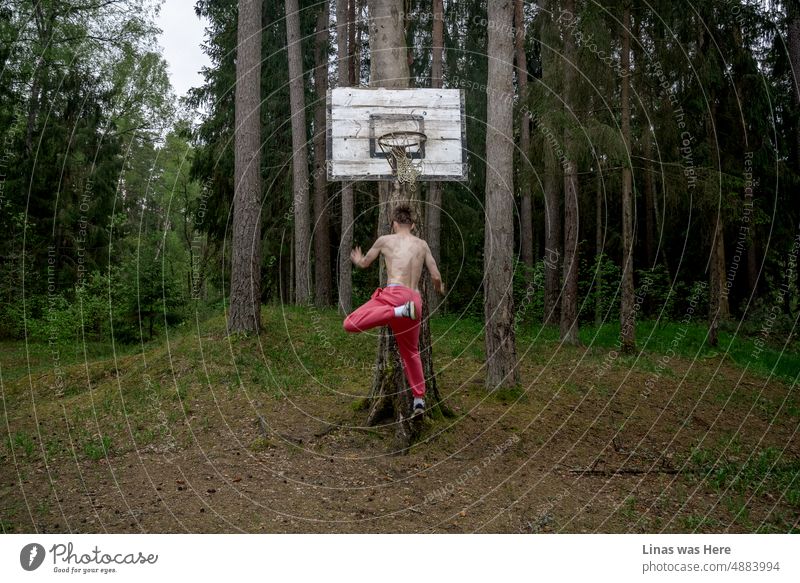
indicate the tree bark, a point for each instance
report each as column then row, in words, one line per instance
column 390, row 397
column 302, row 221
column 649, row 200
column 526, row 206
column 498, row 252
column 647, row 153
column 598, row 244
column 627, row 310
column 716, row 291
column 345, row 28
column 354, row 42
column 718, row 298
column 245, row 307
column 552, row 250
column 433, row 210
column 752, row 265
column 793, row 13
column 569, row 297
column 719, row 273
column 322, row 241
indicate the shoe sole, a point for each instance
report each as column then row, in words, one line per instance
column 412, row 310
column 417, row 413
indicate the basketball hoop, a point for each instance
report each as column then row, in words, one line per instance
column 399, row 147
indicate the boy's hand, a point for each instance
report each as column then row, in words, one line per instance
column 439, row 287
column 356, row 256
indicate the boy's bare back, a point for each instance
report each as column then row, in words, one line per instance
column 404, row 255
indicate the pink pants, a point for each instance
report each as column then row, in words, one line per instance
column 379, row 311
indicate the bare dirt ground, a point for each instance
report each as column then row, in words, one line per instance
column 573, row 451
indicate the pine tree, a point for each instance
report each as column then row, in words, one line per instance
column 322, row 243
column 344, row 66
column 569, row 296
column 498, row 251
column 245, row 304
column 302, row 219
column 526, row 210
column 627, row 306
column 433, row 210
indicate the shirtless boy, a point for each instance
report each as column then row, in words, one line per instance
column 399, row 304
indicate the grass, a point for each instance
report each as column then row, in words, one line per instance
column 628, row 509
column 688, row 341
column 23, row 443
column 18, row 356
column 97, row 448
column 739, row 474
column 507, row 395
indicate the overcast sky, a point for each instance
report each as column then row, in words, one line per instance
column 181, row 39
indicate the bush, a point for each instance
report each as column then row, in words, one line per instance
column 769, row 320
column 11, row 320
column 529, row 293
column 130, row 301
column 660, row 298
column 601, row 289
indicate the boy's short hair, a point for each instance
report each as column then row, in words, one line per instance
column 403, row 215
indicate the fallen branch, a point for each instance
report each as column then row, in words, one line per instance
column 618, row 471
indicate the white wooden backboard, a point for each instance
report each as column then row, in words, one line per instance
column 357, row 117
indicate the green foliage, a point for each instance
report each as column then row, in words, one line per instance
column 600, row 286
column 529, row 293
column 23, row 443
column 749, row 473
column 98, row 448
column 769, row 321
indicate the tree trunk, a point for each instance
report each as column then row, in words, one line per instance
column 322, row 241
column 569, row 297
column 719, row 272
column 302, row 220
column 344, row 30
column 716, row 291
column 598, row 245
column 390, row 397
column 526, row 207
column 718, row 297
column 498, row 252
column 660, row 218
column 627, row 311
column 647, row 153
column 291, row 267
column 552, row 245
column 649, row 200
column 354, row 41
column 793, row 13
column 752, row 265
column 245, row 307
column 433, row 210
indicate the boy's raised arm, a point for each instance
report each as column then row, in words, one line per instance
column 436, row 277
column 364, row 261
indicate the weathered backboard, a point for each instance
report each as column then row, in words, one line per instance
column 357, row 117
